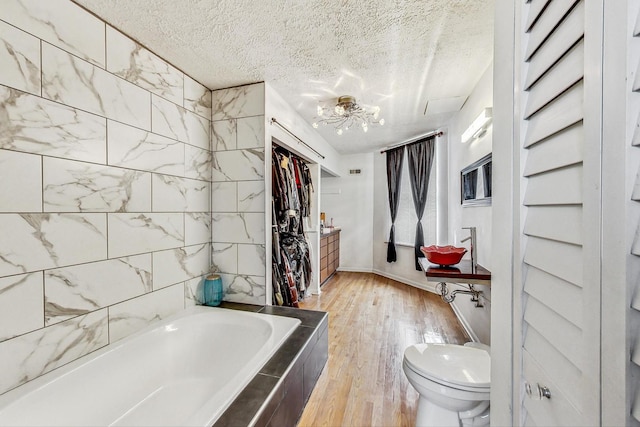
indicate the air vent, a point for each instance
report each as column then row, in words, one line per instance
column 354, row 171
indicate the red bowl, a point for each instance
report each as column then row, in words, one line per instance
column 443, row 255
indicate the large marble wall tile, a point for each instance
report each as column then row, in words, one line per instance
column 20, row 182
column 175, row 122
column 238, row 227
column 174, row 194
column 21, row 304
column 224, row 258
column 20, row 59
column 244, row 289
column 224, row 135
column 251, row 260
column 79, row 289
column 29, row 356
column 134, row 148
column 197, row 228
column 178, row 265
column 72, row 81
column 32, row 242
column 132, row 62
column 197, row 163
column 194, row 292
column 71, row 186
column 131, row 234
column 61, row 23
column 36, row 125
column 251, row 196
column 251, row 132
column 238, row 165
column 242, row 101
column 197, row 98
column 131, row 316
column 224, row 197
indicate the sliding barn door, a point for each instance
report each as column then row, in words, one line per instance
column 558, row 118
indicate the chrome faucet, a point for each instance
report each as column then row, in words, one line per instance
column 474, row 259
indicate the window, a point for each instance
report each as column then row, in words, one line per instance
column 405, row 226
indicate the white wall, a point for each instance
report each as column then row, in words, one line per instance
column 477, row 320
column 349, row 201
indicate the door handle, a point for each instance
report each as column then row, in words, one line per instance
column 537, row 392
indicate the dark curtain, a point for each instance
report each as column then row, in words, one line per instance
column 486, row 173
column 394, row 172
column 469, row 184
column 420, row 159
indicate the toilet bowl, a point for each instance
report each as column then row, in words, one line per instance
column 453, row 382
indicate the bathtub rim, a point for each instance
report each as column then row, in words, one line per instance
column 304, row 340
column 12, row 396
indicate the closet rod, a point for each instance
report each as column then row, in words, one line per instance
column 412, row 140
column 274, row 121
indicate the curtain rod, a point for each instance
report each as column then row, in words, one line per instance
column 274, row 121
column 412, row 140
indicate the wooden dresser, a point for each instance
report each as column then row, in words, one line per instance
column 329, row 255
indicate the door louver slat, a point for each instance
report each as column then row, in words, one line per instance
column 560, row 334
column 559, row 259
column 636, row 133
column 571, row 30
column 562, row 149
column 566, row 184
column 559, row 223
column 553, row 14
column 559, row 295
column 564, row 111
column 537, row 6
column 560, row 77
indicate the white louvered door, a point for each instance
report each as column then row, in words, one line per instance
column 632, row 145
column 559, row 128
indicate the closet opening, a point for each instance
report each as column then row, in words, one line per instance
column 293, row 230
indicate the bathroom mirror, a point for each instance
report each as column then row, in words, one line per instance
column 475, row 183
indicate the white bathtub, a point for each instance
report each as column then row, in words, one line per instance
column 183, row 371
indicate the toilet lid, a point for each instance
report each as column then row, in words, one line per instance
column 454, row 364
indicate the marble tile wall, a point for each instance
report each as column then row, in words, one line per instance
column 105, row 187
column 238, row 192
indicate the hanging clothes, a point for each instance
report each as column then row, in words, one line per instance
column 291, row 202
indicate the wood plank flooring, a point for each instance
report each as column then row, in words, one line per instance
column 372, row 320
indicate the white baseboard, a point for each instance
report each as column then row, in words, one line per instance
column 355, row 270
column 465, row 324
column 424, row 286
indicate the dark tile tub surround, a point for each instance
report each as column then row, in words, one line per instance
column 278, row 393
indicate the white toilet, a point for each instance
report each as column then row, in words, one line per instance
column 453, row 382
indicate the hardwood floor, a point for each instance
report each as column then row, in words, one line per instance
column 372, row 320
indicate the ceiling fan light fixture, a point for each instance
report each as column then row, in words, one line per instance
column 346, row 113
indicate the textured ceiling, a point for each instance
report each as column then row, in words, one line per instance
column 398, row 54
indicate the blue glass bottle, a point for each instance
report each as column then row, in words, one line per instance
column 213, row 290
